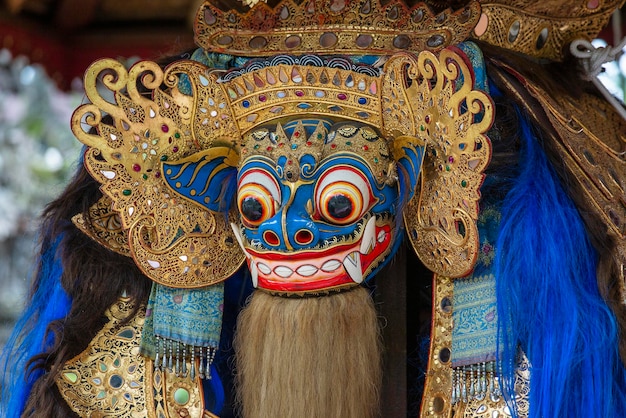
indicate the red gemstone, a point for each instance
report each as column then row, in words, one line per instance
column 269, row 148
column 309, row 143
column 333, row 146
column 262, row 98
column 296, row 134
column 136, row 167
column 157, row 174
column 175, row 149
column 427, row 118
column 165, row 128
column 365, row 147
column 299, row 93
column 342, row 96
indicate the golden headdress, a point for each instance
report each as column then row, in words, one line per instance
column 152, row 124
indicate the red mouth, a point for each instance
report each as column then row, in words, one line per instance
column 313, row 271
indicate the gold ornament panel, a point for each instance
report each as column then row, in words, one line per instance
column 107, row 379
column 110, row 378
column 542, row 29
column 331, row 27
column 104, row 226
column 451, row 117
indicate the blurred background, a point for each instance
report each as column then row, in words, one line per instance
column 45, row 46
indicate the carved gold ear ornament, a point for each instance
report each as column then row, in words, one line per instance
column 135, row 134
column 451, row 116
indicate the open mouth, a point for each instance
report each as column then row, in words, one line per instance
column 308, row 270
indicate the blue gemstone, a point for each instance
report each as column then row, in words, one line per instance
column 294, row 146
column 304, row 105
column 245, row 103
column 362, row 100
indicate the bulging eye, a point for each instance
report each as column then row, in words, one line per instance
column 343, row 195
column 256, row 194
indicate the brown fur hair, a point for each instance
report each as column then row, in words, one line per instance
column 311, row 357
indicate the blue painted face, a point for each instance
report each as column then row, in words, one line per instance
column 318, row 205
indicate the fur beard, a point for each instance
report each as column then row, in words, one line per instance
column 309, row 357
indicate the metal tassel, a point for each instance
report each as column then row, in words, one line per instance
column 455, row 386
column 164, row 355
column 464, row 386
column 170, row 362
column 193, row 363
column 156, row 353
column 483, row 379
column 177, row 359
column 209, row 361
column 184, row 360
column 201, row 368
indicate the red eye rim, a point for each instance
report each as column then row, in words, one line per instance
column 262, row 186
column 348, row 181
column 262, row 197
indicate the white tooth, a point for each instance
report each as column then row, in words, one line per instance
column 306, row 270
column 264, row 268
column 368, row 240
column 283, row 271
column 330, row 266
column 254, row 274
column 381, row 236
column 237, row 232
column 352, row 264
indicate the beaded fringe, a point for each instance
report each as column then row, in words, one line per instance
column 475, row 382
column 173, row 355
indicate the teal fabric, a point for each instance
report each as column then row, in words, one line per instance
column 475, row 333
column 189, row 316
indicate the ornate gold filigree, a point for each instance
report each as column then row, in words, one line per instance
column 331, row 26
column 174, row 240
column 111, row 378
column 542, row 29
column 108, row 377
column 104, row 226
column 172, row 395
column 451, row 117
column 436, row 401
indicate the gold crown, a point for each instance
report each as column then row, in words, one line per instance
column 542, row 29
column 326, row 138
column 359, row 27
column 286, row 86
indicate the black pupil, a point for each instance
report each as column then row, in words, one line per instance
column 252, row 209
column 339, row 206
